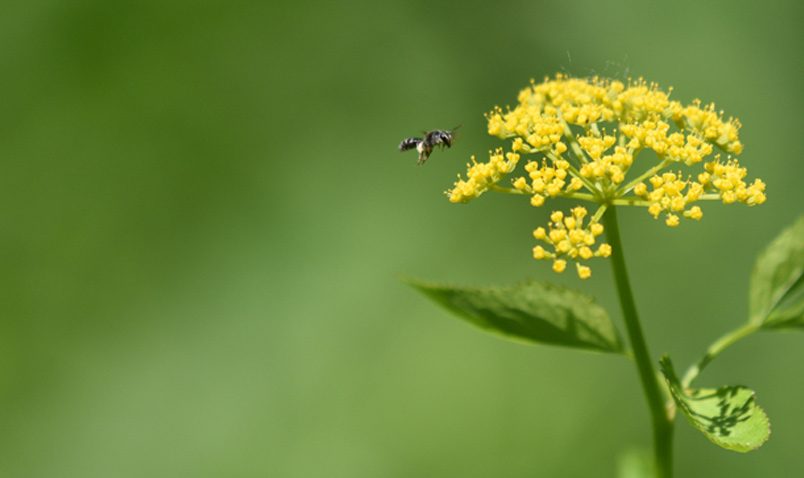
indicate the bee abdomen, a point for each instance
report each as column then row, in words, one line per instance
column 409, row 143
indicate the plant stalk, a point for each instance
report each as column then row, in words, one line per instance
column 716, row 348
column 662, row 425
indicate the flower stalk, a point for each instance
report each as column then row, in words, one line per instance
column 716, row 348
column 662, row 425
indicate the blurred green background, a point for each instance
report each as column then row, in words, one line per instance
column 206, row 219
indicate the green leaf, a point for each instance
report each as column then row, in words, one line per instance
column 728, row 416
column 532, row 312
column 777, row 285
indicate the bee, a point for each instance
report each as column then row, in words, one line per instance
column 438, row 137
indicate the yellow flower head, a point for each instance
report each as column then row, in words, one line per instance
column 587, row 139
column 481, row 176
column 570, row 239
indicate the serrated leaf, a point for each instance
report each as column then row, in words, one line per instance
column 532, row 312
column 777, row 285
column 728, row 416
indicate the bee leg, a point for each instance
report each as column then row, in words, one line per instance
column 424, row 152
column 423, row 156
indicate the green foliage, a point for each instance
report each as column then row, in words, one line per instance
column 532, row 312
column 777, row 282
column 728, row 416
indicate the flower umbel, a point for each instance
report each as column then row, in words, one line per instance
column 481, row 176
column 571, row 240
column 588, row 139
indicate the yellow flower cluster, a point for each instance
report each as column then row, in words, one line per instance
column 611, row 167
column 538, row 130
column 547, row 180
column 578, row 101
column 728, row 180
column 642, row 101
column 603, row 126
column 688, row 149
column 481, row 176
column 673, row 195
column 669, row 195
column 570, row 239
column 711, row 125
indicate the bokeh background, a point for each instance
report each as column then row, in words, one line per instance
column 206, row 219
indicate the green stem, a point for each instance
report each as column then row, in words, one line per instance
column 710, row 197
column 572, row 195
column 630, row 201
column 573, row 143
column 647, row 174
column 599, row 213
column 574, row 171
column 503, row 189
column 662, row 426
column 716, row 348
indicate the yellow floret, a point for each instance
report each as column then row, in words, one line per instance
column 584, row 272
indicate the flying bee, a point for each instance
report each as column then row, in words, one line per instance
column 425, row 146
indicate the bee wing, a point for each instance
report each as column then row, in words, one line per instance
column 453, row 134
